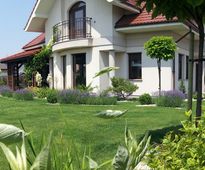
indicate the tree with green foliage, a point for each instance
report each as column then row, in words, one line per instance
column 122, row 88
column 160, row 48
column 192, row 11
column 39, row 63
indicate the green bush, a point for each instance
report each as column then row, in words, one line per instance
column 145, row 99
column 52, row 96
column 171, row 99
column 181, row 151
column 3, row 82
column 40, row 92
column 86, row 89
column 182, row 87
column 23, row 94
column 6, row 91
column 122, row 88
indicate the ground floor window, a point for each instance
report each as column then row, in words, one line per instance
column 64, row 71
column 135, row 65
column 79, row 70
column 180, row 66
column 187, row 67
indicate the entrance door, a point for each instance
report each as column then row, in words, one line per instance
column 79, row 70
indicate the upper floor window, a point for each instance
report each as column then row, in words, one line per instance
column 135, row 65
column 77, row 19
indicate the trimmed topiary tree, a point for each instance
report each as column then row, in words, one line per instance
column 122, row 88
column 160, row 48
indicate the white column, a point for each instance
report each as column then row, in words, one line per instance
column 69, row 75
column 58, row 76
column 51, row 71
column 111, row 64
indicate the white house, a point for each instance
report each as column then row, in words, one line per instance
column 90, row 35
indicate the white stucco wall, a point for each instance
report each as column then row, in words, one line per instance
column 53, row 19
column 105, row 39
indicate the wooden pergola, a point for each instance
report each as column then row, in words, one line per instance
column 16, row 61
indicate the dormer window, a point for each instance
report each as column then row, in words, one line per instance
column 77, row 20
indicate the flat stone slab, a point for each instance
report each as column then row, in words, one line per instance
column 142, row 166
column 149, row 105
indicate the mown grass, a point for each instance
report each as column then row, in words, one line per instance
column 78, row 123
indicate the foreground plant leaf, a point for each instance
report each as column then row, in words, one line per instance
column 43, row 160
column 16, row 163
column 105, row 71
column 92, row 163
column 121, row 159
column 108, row 114
column 128, row 157
column 10, row 134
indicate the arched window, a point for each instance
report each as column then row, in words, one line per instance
column 77, row 20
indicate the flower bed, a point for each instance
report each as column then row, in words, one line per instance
column 78, row 97
column 171, row 99
column 6, row 91
column 23, row 94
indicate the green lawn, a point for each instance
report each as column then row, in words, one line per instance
column 77, row 123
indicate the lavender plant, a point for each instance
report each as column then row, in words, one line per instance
column 171, row 98
column 23, row 94
column 79, row 97
column 6, row 91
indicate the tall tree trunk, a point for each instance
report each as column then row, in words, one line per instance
column 190, row 72
column 159, row 71
column 200, row 71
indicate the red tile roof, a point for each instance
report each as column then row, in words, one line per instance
column 143, row 18
column 37, row 41
column 20, row 55
column 131, row 2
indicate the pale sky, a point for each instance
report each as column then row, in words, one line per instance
column 13, row 18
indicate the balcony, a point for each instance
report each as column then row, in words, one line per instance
column 78, row 29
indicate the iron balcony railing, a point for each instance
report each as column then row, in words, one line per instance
column 70, row 30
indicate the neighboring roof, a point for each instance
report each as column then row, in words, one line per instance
column 129, row 2
column 143, row 18
column 20, row 55
column 35, row 42
column 30, row 49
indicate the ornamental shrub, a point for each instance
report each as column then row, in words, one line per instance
column 171, row 99
column 181, row 151
column 122, row 88
column 40, row 92
column 52, row 96
column 6, row 91
column 145, row 99
column 23, row 94
column 3, row 82
column 182, row 87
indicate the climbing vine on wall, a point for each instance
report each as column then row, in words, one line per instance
column 38, row 63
